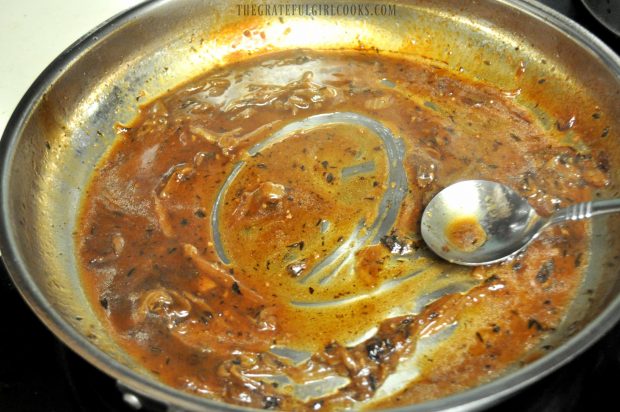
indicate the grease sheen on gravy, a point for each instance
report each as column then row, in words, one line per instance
column 253, row 236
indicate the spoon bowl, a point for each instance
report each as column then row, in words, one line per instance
column 479, row 222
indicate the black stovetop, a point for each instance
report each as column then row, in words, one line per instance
column 38, row 373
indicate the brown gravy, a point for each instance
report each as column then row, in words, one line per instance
column 466, row 234
column 251, row 272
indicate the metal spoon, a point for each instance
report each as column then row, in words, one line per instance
column 478, row 222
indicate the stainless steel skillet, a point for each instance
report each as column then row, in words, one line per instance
column 65, row 123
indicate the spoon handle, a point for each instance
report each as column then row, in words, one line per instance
column 585, row 210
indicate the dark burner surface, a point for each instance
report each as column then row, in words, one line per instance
column 38, row 373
